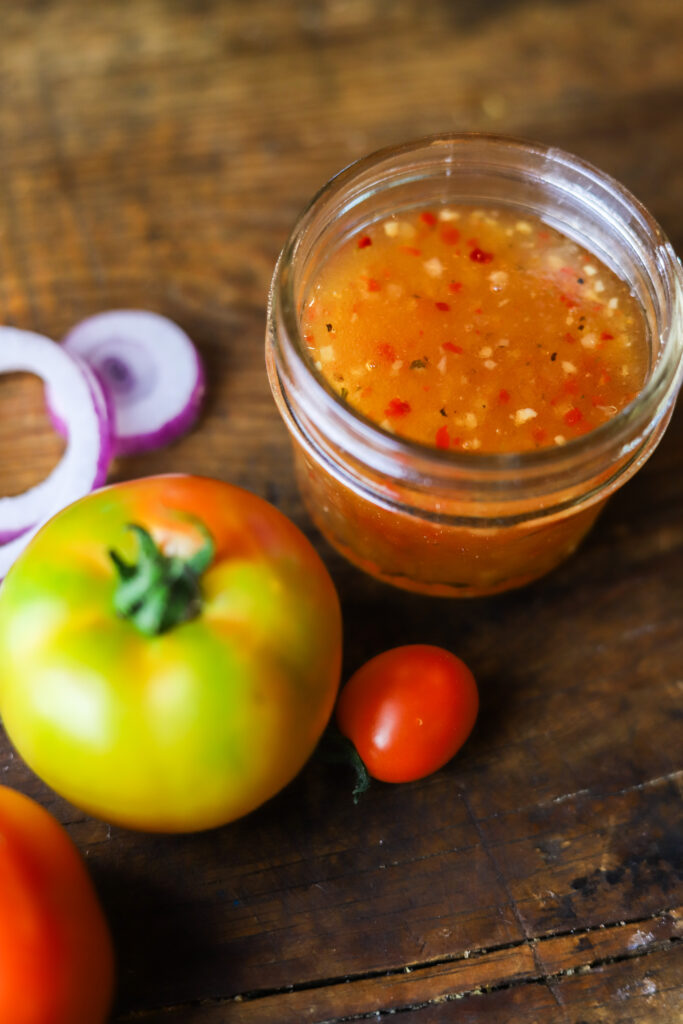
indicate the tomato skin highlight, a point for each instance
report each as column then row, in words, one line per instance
column 408, row 711
column 55, row 947
column 197, row 726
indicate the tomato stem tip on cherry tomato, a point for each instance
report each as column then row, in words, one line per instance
column 408, row 711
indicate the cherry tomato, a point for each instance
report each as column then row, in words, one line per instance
column 408, row 711
column 57, row 964
column 170, row 652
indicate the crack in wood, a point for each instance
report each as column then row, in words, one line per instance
column 542, row 977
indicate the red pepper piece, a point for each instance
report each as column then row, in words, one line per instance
column 479, row 256
column 427, row 217
column 503, row 395
column 450, row 235
column 443, row 306
column 568, row 337
column 454, row 286
column 573, row 416
column 539, row 435
column 412, row 250
column 606, row 336
column 373, row 285
column 450, row 346
column 397, row 407
column 387, row 351
column 442, row 440
column 364, row 241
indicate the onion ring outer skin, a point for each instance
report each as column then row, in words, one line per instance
column 150, row 371
column 88, row 449
column 104, row 410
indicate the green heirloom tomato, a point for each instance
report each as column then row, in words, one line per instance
column 170, row 652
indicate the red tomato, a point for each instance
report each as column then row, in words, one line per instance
column 56, row 959
column 408, row 711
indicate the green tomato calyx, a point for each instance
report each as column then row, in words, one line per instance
column 160, row 591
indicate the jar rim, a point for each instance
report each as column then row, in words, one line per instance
column 433, row 461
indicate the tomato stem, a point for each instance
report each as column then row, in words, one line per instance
column 160, row 591
column 338, row 749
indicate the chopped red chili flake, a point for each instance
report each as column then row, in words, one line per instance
column 539, row 435
column 450, row 235
column 454, row 286
column 450, row 346
column 387, row 351
column 503, row 395
column 573, row 416
column 443, row 306
column 397, row 407
column 427, row 217
column 479, row 256
column 412, row 250
column 373, row 285
column 606, row 336
column 442, row 440
column 364, row 241
column 569, row 303
column 568, row 337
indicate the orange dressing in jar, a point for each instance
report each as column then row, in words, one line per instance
column 472, row 328
column 473, row 342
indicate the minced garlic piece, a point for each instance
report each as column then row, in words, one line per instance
column 434, row 267
column 524, row 415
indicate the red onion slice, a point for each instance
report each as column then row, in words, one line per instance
column 150, row 372
column 86, row 457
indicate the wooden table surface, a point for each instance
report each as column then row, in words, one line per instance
column 155, row 154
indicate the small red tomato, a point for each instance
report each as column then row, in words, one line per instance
column 407, row 711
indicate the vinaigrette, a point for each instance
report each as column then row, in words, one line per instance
column 477, row 329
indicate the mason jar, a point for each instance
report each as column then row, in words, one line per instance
column 452, row 522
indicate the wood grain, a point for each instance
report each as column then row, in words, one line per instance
column 155, row 154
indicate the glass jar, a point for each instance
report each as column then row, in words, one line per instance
column 462, row 523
